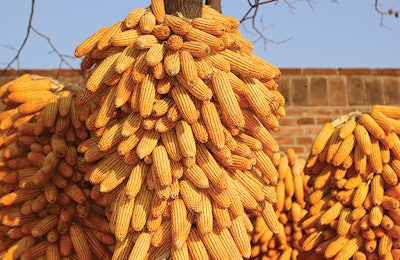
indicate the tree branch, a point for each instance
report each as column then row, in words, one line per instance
column 28, row 32
column 25, row 39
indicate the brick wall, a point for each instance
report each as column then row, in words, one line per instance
column 313, row 97
column 316, row 96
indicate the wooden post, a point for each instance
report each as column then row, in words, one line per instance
column 188, row 8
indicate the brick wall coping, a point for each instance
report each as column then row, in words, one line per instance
column 285, row 71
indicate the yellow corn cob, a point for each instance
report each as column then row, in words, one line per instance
column 159, row 71
column 79, row 242
column 125, row 38
column 141, row 210
column 162, row 165
column 133, row 18
column 188, row 67
column 266, row 166
column 269, row 216
column 147, row 95
column 213, row 124
column 209, row 25
column 196, row 49
column 178, row 25
column 185, row 104
column 126, row 59
column 179, row 220
column 105, row 67
column 344, row 150
column 240, row 236
column 390, row 111
column 147, row 22
column 175, row 42
column 204, row 68
column 155, row 54
column 90, row 43
column 205, row 218
column 371, row 125
column 158, row 9
column 226, row 98
column 104, row 40
column 196, row 246
column 161, row 31
column 186, row 139
column 214, row 246
column 170, row 142
column 147, row 143
column 218, row 61
column 136, row 179
column 377, row 189
column 210, row 167
column 141, row 247
column 242, row 64
column 172, row 63
column 201, row 36
column 199, row 89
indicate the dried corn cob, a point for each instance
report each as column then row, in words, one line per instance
column 156, row 117
column 49, row 201
column 289, row 211
column 355, row 208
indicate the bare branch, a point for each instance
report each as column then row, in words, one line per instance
column 28, row 32
column 25, row 39
column 382, row 13
column 252, row 13
column 54, row 49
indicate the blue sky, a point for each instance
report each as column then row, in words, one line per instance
column 345, row 34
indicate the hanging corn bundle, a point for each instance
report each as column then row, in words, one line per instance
column 354, row 166
column 181, row 136
column 45, row 208
column 290, row 209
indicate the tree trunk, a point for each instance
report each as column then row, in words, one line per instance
column 216, row 4
column 188, row 8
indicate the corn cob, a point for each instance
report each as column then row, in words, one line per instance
column 360, row 192
column 160, row 90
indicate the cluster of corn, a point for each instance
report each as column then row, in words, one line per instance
column 45, row 211
column 354, row 168
column 181, row 137
column 290, row 209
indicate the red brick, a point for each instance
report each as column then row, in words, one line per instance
column 290, row 71
column 294, row 110
column 284, row 89
column 319, row 71
column 355, row 71
column 323, row 120
column 356, row 91
column 306, row 121
column 320, row 111
column 285, row 140
column 373, row 90
column 300, row 91
column 290, row 130
column 386, row 72
column 288, row 121
column 305, row 140
column 337, row 91
column 391, row 88
column 319, row 91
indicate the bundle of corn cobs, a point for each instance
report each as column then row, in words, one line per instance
column 290, row 209
column 45, row 208
column 354, row 168
column 181, row 136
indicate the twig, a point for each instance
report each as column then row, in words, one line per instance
column 25, row 39
column 54, row 49
column 28, row 32
column 252, row 13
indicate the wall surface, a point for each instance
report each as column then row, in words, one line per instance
column 313, row 96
